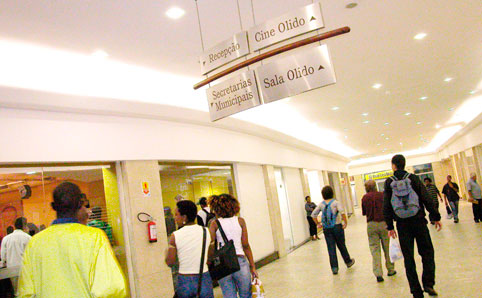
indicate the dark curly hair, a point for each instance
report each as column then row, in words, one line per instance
column 224, row 205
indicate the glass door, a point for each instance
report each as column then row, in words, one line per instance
column 285, row 209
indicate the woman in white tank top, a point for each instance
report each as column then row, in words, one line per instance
column 226, row 207
column 186, row 243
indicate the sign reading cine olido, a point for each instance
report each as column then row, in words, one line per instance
column 302, row 20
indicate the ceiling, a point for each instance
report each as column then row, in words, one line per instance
column 379, row 49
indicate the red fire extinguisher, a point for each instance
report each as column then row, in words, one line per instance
column 151, row 226
column 152, row 231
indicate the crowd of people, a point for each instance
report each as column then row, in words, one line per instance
column 211, row 244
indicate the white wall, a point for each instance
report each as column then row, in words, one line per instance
column 469, row 139
column 254, row 208
column 296, row 198
column 386, row 164
column 315, row 187
column 62, row 137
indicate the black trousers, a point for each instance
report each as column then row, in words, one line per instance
column 313, row 229
column 477, row 210
column 335, row 237
column 407, row 234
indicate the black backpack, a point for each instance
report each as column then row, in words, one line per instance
column 209, row 216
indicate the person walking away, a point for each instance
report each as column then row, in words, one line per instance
column 372, row 208
column 186, row 244
column 204, row 216
column 69, row 259
column 333, row 222
column 405, row 200
column 433, row 193
column 451, row 193
column 475, row 197
column 226, row 208
column 13, row 248
column 309, row 207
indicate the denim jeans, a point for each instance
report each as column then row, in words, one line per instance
column 187, row 286
column 455, row 208
column 238, row 283
column 336, row 237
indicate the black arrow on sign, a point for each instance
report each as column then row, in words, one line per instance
column 321, row 67
column 312, row 19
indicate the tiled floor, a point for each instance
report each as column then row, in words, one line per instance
column 306, row 273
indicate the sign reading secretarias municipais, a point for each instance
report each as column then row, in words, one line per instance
column 294, row 23
column 224, row 52
column 233, row 95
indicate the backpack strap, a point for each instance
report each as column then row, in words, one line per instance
column 407, row 174
column 220, row 228
column 201, row 266
column 394, row 178
column 207, row 213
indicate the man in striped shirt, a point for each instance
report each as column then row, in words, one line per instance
column 433, row 192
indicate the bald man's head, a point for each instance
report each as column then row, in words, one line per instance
column 370, row 186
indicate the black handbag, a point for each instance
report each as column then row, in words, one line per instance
column 224, row 261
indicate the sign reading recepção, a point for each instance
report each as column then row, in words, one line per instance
column 233, row 96
column 224, row 52
column 292, row 75
column 302, row 20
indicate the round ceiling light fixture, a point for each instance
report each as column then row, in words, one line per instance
column 351, row 5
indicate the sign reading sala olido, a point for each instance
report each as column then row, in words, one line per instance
column 310, row 69
column 294, row 23
column 232, row 96
column 224, row 52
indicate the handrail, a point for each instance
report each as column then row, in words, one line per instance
column 272, row 53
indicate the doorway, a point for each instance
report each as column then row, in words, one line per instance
column 284, row 209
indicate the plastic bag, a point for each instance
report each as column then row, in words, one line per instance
column 395, row 250
column 257, row 288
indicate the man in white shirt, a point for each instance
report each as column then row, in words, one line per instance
column 13, row 246
column 204, row 215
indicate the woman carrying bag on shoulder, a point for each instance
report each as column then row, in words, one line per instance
column 226, row 208
column 190, row 244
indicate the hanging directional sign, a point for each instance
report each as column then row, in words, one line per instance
column 289, row 76
column 302, row 20
column 224, row 52
column 233, row 96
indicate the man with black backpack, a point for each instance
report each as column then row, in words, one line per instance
column 405, row 200
column 204, row 216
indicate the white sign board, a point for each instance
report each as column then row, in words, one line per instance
column 233, row 96
column 289, row 76
column 302, row 20
column 224, row 52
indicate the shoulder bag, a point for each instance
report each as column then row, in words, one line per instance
column 225, row 260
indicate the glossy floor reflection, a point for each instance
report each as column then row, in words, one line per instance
column 306, row 272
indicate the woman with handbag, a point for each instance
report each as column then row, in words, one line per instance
column 190, row 244
column 232, row 228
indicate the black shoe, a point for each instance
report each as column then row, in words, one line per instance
column 456, row 220
column 430, row 291
column 380, row 279
column 392, row 273
column 418, row 296
column 335, row 271
column 351, row 263
column 477, row 221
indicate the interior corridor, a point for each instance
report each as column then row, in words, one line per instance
column 306, row 272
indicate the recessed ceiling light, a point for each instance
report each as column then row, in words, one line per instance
column 420, row 36
column 408, row 114
column 100, row 54
column 366, row 122
column 175, row 12
column 401, row 144
column 30, row 173
column 473, row 91
column 378, row 144
column 418, row 123
column 351, row 5
column 386, row 123
column 365, row 114
column 437, row 126
column 377, row 86
column 346, row 137
column 335, row 108
column 448, row 79
column 382, row 134
column 450, row 109
column 423, row 98
column 387, row 138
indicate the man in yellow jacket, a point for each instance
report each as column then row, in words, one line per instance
column 68, row 259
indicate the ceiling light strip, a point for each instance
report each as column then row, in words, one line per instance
column 272, row 53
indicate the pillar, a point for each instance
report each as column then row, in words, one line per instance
column 152, row 277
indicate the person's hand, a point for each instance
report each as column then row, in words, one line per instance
column 438, row 226
column 344, row 225
column 254, row 273
column 393, row 234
